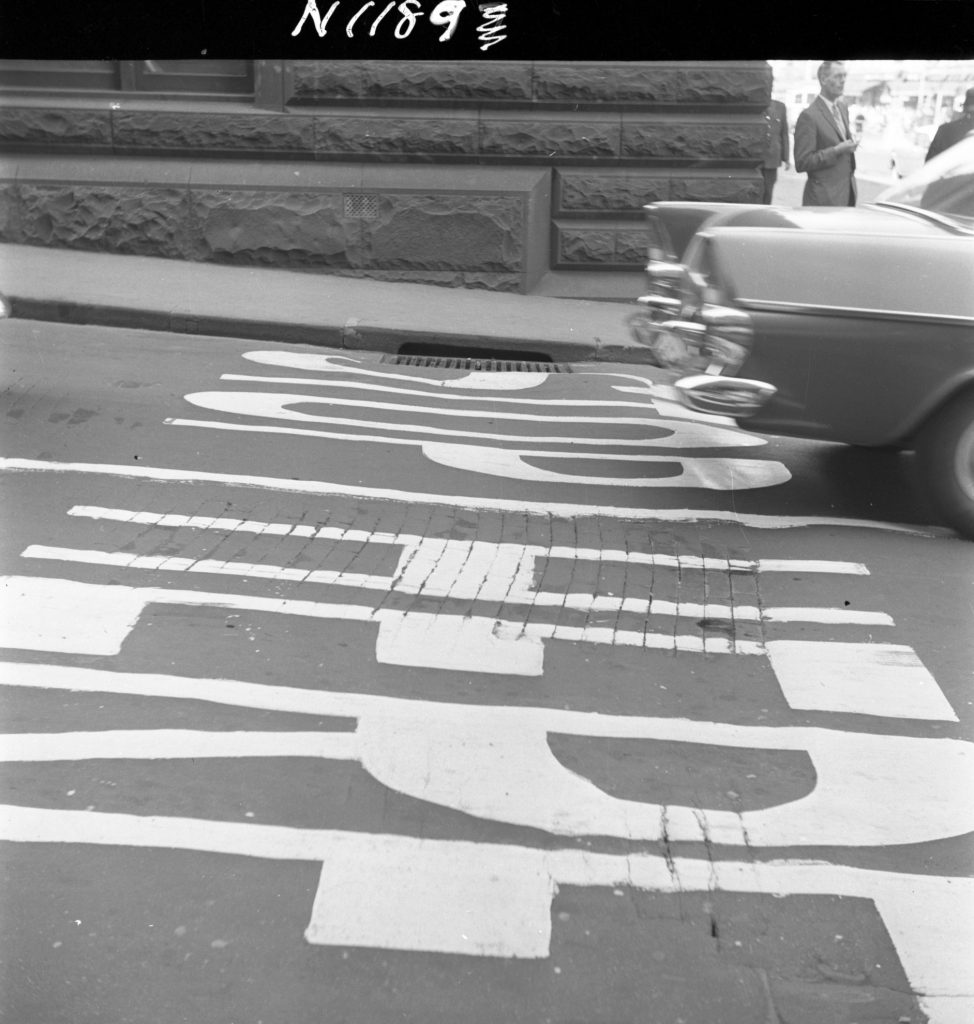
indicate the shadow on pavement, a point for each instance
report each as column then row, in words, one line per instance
column 876, row 483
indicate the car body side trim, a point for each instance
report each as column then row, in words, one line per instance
column 906, row 210
column 772, row 306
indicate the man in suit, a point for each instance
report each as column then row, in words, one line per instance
column 824, row 147
column 954, row 131
column 778, row 152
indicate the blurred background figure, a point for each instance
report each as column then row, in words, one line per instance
column 779, row 147
column 953, row 131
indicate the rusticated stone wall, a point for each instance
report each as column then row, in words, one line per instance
column 378, row 222
column 684, row 83
column 488, row 173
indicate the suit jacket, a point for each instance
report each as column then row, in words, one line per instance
column 777, row 152
column 951, row 132
column 831, row 176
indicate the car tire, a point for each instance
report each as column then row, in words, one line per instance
column 945, row 456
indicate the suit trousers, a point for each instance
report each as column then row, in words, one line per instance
column 770, row 177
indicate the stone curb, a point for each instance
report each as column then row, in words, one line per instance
column 353, row 335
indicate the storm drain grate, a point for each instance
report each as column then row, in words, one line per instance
column 484, row 365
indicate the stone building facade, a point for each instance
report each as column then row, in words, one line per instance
column 516, row 176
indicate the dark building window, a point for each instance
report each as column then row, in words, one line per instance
column 158, row 77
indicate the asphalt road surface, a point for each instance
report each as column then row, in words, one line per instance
column 337, row 691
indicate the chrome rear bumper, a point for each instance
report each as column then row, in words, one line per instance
column 724, row 396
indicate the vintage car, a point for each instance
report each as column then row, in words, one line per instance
column 851, row 324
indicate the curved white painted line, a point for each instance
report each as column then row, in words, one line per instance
column 667, row 403
column 646, row 382
column 600, row 444
column 345, row 364
column 664, row 397
column 664, row 402
column 495, row 762
column 562, row 510
column 254, row 403
column 502, row 770
column 492, row 399
column 271, row 405
column 868, row 790
column 496, row 381
column 712, row 474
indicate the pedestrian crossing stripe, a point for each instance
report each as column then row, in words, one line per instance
column 678, row 561
column 477, row 570
column 67, row 616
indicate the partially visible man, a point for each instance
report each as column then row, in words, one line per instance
column 778, row 151
column 824, row 147
column 954, row 131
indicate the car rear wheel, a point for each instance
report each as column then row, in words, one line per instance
column 945, row 453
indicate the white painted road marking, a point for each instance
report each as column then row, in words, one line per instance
column 682, row 561
column 64, row 616
column 468, row 761
column 481, row 382
column 417, row 428
column 862, row 679
column 662, row 397
column 315, row 363
column 563, row 510
column 462, row 570
column 464, row 643
column 174, row 744
column 490, row 381
column 495, row 763
column 102, row 615
column 684, row 472
column 687, row 471
column 445, row 903
column 397, row 892
column 277, row 405
column 671, row 433
column 444, row 900
column 717, row 474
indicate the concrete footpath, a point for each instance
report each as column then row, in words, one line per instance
column 68, row 286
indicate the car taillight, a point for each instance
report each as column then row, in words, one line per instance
column 718, row 342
